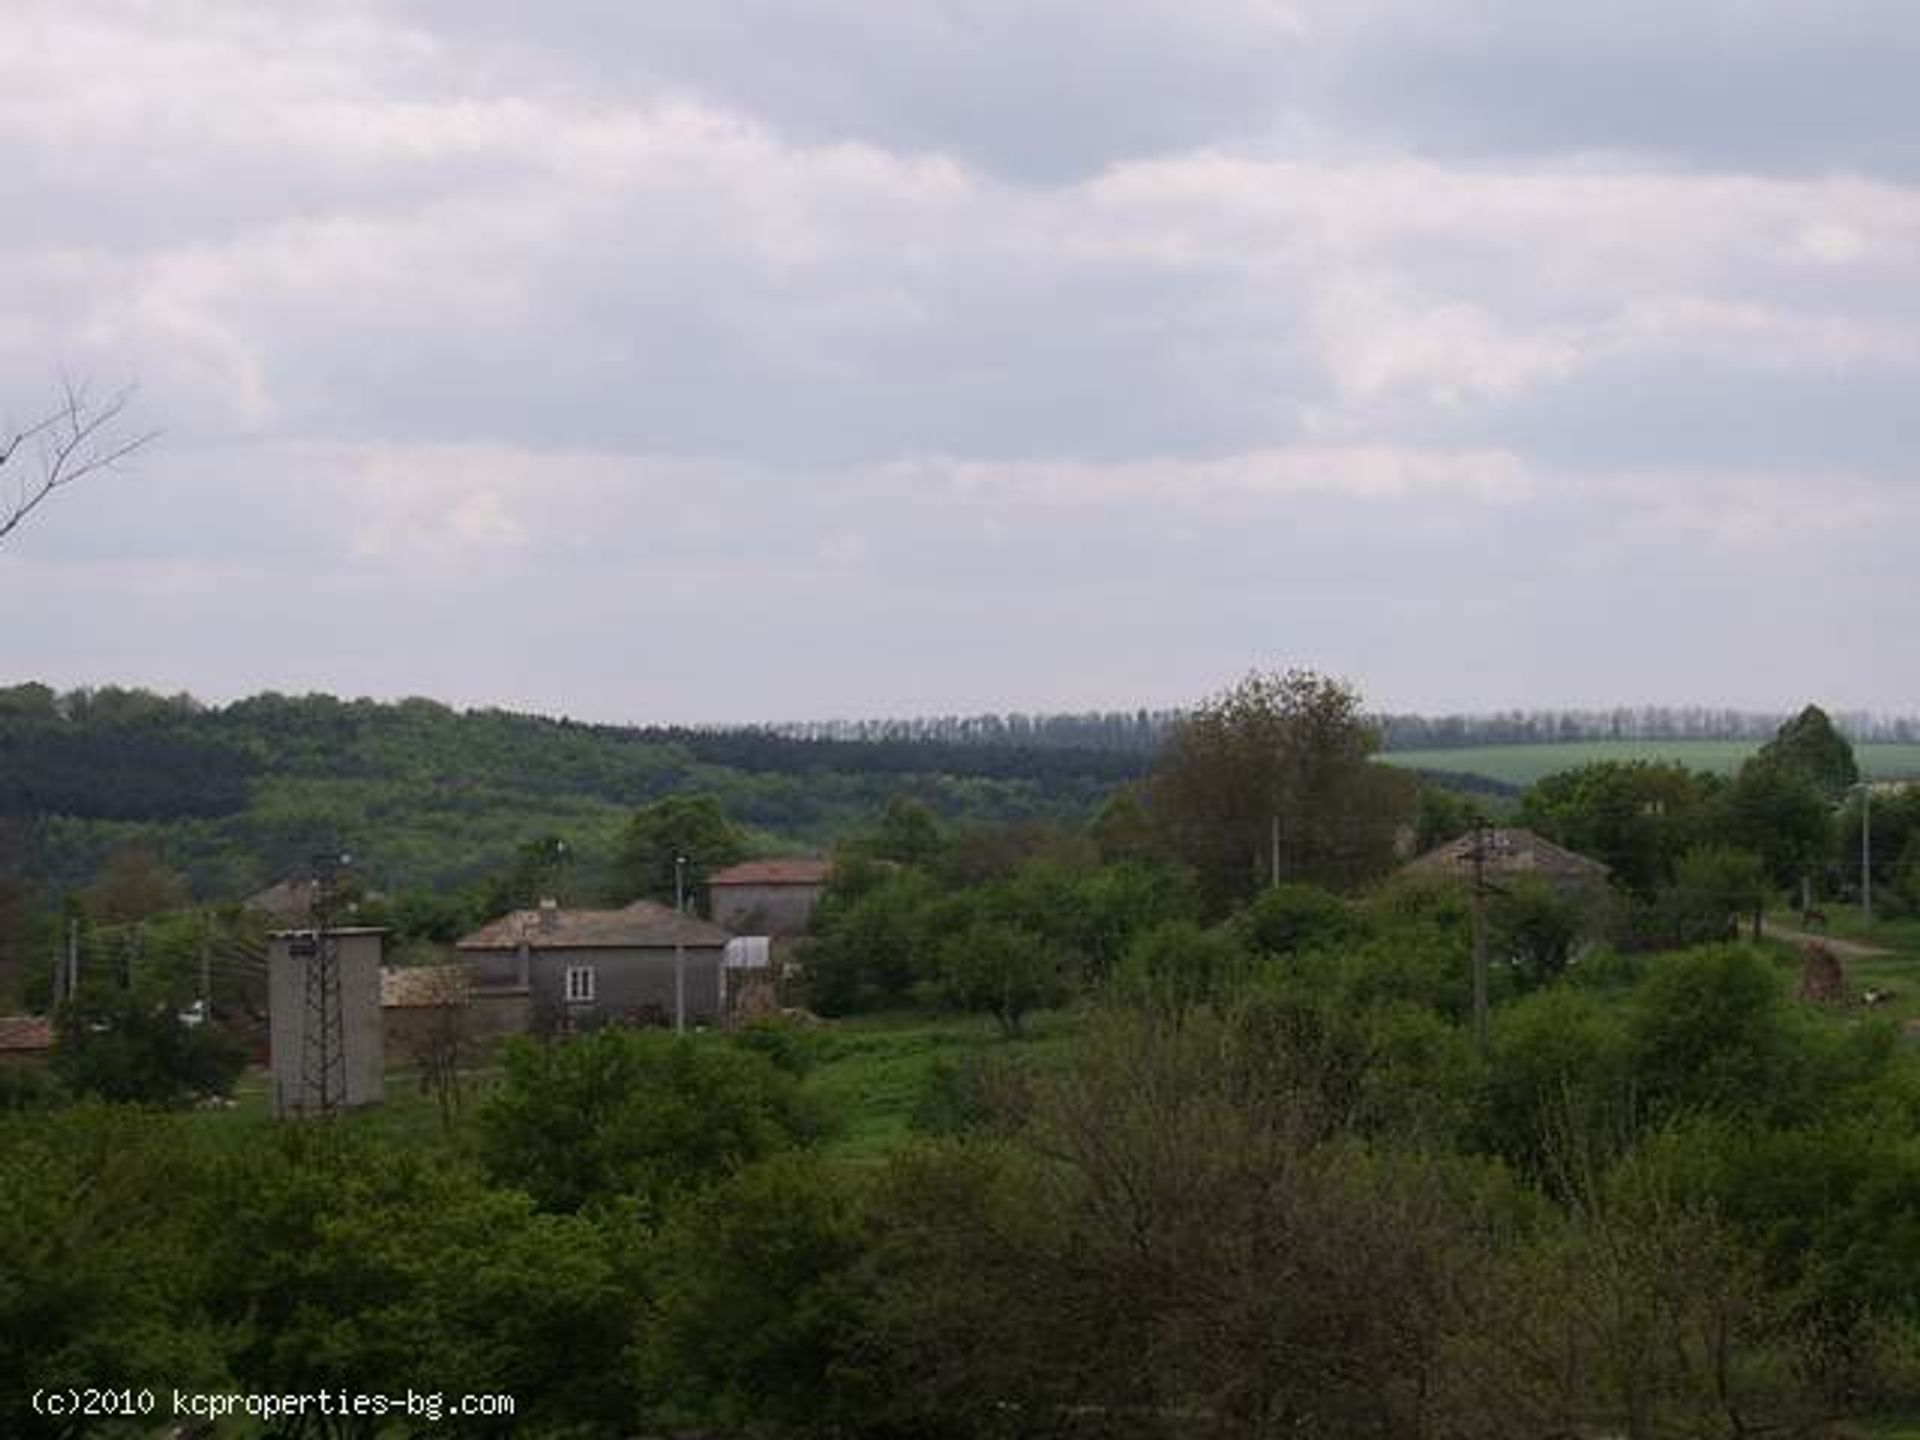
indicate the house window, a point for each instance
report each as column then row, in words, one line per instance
column 579, row 984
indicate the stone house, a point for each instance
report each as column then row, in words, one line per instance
column 768, row 897
column 582, row 968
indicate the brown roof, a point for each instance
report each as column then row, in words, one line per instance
column 1510, row 852
column 642, row 925
column 775, row 872
column 422, row 987
column 25, row 1032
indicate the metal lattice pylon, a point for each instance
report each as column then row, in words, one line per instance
column 323, row 1049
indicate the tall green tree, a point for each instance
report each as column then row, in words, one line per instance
column 1273, row 777
column 1809, row 744
column 689, row 826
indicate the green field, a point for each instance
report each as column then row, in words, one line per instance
column 1524, row 764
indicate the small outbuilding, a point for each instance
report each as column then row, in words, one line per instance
column 768, row 897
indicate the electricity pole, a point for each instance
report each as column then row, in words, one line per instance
column 1479, row 857
column 1866, row 852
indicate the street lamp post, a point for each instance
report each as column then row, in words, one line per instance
column 679, row 946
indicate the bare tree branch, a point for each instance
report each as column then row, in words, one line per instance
column 79, row 438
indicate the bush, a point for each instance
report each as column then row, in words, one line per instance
column 636, row 1115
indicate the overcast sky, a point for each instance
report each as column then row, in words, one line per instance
column 772, row 359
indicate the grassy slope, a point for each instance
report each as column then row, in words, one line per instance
column 1524, row 764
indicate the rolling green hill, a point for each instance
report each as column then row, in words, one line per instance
column 1524, row 764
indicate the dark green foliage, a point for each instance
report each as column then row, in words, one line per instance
column 362, row 1265
column 1178, row 966
column 1002, row 969
column 1273, row 779
column 689, row 828
column 636, row 1117
column 874, row 941
column 1778, row 813
column 1714, row 888
column 1535, row 928
column 1637, row 816
column 118, row 1045
column 1712, row 1031
column 751, row 1318
column 1559, row 1067
column 1809, row 744
column 102, row 1272
column 1288, row 919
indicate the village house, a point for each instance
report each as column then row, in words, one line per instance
column 582, row 968
column 25, row 1039
column 1507, row 854
column 768, row 897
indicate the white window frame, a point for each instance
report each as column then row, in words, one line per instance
column 580, row 985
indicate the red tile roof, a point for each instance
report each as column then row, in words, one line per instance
column 642, row 925
column 775, row 872
column 20, row 1033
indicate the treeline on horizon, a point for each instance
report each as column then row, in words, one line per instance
column 1144, row 731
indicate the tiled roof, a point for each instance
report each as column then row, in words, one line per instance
column 774, row 872
column 20, row 1033
column 642, row 925
column 422, row 987
column 1508, row 851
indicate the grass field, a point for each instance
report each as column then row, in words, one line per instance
column 1524, row 764
column 872, row 1073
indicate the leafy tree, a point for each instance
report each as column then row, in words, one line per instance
column 1002, row 969
column 1124, row 829
column 1558, row 1067
column 1279, row 753
column 751, row 1322
column 1178, row 966
column 364, row 1265
column 1637, row 816
column 908, row 833
column 1711, row 1031
column 134, row 885
column 1536, row 927
column 542, row 869
column 119, row 1045
column 101, row 1271
column 636, row 1116
column 1774, row 810
column 689, row 826
column 1809, row 744
column 1288, row 919
column 875, row 939
column 1714, row 887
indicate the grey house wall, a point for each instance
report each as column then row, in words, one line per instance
column 363, row 1040
column 764, row 909
column 630, row 984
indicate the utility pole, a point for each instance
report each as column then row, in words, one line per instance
column 679, row 946
column 73, row 957
column 1866, row 852
column 1479, row 857
column 206, row 968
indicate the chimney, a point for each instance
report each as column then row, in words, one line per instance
column 549, row 914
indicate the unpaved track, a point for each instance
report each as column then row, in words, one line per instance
column 1845, row 949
